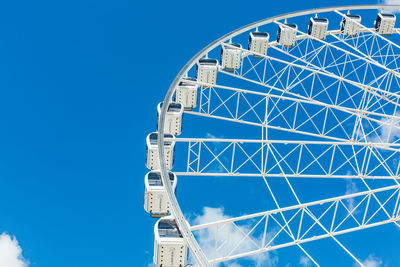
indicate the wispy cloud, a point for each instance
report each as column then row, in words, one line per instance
column 234, row 265
column 387, row 131
column 371, row 261
column 11, row 252
column 304, row 261
column 391, row 2
column 216, row 167
column 390, row 128
column 210, row 135
column 351, row 188
column 206, row 238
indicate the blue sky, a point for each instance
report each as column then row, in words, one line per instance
column 80, row 83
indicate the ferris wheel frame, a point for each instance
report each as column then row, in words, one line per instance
column 184, row 228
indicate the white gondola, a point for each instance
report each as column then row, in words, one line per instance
column 231, row 56
column 287, row 34
column 350, row 25
column 318, row 28
column 207, row 70
column 173, row 118
column 384, row 23
column 186, row 93
column 152, row 162
column 155, row 197
column 258, row 43
column 170, row 249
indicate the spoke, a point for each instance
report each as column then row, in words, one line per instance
column 328, row 212
column 254, row 117
column 327, row 109
column 362, row 56
column 313, row 69
column 334, row 238
column 371, row 31
column 314, row 159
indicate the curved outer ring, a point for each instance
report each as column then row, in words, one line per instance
column 176, row 211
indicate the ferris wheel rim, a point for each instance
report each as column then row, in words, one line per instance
column 184, row 228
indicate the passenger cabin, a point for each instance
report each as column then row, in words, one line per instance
column 384, row 23
column 231, row 56
column 350, row 25
column 155, row 197
column 318, row 28
column 206, row 71
column 186, row 93
column 170, row 249
column 258, row 43
column 173, row 118
column 152, row 162
column 287, row 35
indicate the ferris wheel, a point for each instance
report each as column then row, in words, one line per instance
column 291, row 137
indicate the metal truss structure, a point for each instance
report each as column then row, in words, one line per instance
column 315, row 220
column 304, row 159
column 322, row 109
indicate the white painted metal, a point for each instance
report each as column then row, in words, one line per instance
column 170, row 249
column 323, row 156
column 364, row 194
column 350, row 25
column 152, row 159
column 321, row 221
column 258, row 43
column 207, row 71
column 373, row 104
column 186, row 93
column 384, row 23
column 318, row 27
column 287, row 34
column 231, row 55
column 155, row 198
column 173, row 119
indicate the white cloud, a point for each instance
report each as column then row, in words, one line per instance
column 387, row 130
column 391, row 2
column 11, row 252
column 391, row 129
column 206, row 238
column 210, row 135
column 351, row 188
column 216, row 147
column 371, row 261
column 304, row 261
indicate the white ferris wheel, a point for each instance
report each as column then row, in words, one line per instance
column 291, row 127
